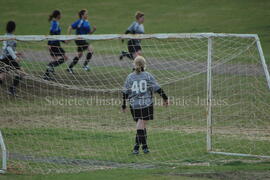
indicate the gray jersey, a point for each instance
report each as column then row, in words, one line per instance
column 9, row 48
column 136, row 28
column 140, row 88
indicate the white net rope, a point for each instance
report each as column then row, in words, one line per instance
column 74, row 123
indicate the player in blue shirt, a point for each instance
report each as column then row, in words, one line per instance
column 134, row 45
column 138, row 89
column 82, row 26
column 56, row 51
column 10, row 58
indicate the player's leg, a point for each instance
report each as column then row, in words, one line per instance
column 3, row 70
column 50, row 67
column 130, row 52
column 138, row 137
column 89, row 55
column 2, row 77
column 141, row 137
column 144, row 138
column 59, row 57
column 19, row 74
column 75, row 60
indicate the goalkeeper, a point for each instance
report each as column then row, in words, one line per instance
column 10, row 59
column 134, row 45
column 138, row 89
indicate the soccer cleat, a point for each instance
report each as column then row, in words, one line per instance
column 135, row 152
column 146, row 151
column 86, row 68
column 50, row 69
column 70, row 70
column 121, row 57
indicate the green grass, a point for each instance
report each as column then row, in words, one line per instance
column 174, row 16
column 35, row 125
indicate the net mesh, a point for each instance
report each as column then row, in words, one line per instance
column 74, row 123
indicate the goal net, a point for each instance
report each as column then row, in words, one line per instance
column 218, row 86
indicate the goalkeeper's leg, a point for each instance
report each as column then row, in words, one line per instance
column 141, row 137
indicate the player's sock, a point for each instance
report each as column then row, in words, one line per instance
column 1, row 82
column 74, row 62
column 142, row 138
column 56, row 63
column 16, row 81
column 88, row 57
column 51, row 66
column 137, row 142
column 145, row 133
column 130, row 56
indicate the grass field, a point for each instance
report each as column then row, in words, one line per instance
column 174, row 16
column 90, row 141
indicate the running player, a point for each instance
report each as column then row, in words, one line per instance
column 10, row 59
column 138, row 89
column 134, row 45
column 56, row 51
column 82, row 26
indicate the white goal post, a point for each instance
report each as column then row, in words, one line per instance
column 3, row 169
column 209, row 94
column 206, row 61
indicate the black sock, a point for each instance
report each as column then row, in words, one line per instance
column 16, row 81
column 137, row 142
column 130, row 56
column 145, row 133
column 1, row 81
column 88, row 57
column 86, row 62
column 142, row 138
column 56, row 63
column 74, row 62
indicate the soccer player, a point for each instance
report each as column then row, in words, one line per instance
column 134, row 45
column 56, row 51
column 10, row 59
column 82, row 26
column 138, row 89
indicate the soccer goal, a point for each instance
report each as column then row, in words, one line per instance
column 218, row 87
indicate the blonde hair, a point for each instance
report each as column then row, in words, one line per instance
column 139, row 14
column 139, row 64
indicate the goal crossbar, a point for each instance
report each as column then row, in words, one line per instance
column 124, row 36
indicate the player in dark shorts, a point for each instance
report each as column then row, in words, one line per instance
column 82, row 27
column 134, row 45
column 138, row 89
column 9, row 61
column 55, row 49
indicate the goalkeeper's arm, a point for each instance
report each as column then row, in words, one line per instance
column 163, row 95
